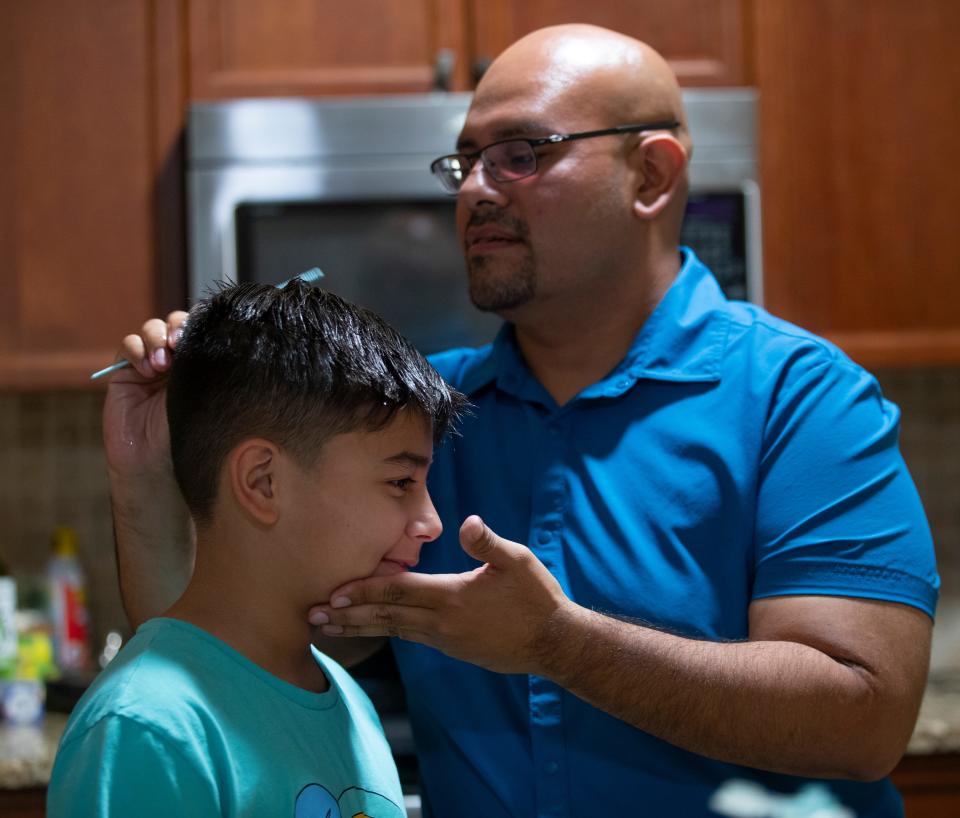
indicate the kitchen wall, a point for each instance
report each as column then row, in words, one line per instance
column 53, row 473
column 930, row 441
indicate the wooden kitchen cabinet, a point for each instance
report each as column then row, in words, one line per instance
column 706, row 42
column 89, row 217
column 859, row 127
column 318, row 47
column 242, row 48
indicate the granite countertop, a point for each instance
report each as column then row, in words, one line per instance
column 938, row 726
column 26, row 753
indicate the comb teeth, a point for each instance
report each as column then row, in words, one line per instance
column 308, row 277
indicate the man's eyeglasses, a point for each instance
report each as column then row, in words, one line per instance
column 512, row 159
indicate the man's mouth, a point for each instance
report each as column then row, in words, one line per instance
column 489, row 238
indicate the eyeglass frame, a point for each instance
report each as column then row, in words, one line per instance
column 540, row 141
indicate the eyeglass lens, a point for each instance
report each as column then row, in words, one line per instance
column 505, row 162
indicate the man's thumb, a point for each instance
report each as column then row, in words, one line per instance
column 478, row 540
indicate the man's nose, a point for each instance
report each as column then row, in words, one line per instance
column 480, row 186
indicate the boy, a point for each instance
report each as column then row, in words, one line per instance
column 301, row 431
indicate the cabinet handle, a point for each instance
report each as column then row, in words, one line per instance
column 443, row 69
column 479, row 67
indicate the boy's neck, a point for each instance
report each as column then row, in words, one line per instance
column 249, row 614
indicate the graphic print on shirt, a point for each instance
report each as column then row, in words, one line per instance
column 316, row 801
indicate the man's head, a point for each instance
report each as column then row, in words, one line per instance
column 594, row 208
column 282, row 373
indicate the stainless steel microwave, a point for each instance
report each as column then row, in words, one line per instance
column 277, row 186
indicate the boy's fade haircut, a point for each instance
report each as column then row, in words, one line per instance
column 295, row 366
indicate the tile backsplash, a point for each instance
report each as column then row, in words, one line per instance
column 53, row 473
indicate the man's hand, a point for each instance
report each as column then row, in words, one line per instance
column 135, row 432
column 153, row 530
column 504, row 615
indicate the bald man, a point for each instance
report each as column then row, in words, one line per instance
column 691, row 555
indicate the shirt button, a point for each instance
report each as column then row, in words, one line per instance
column 551, row 767
column 544, row 537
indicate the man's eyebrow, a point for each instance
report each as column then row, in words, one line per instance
column 507, row 132
column 407, row 459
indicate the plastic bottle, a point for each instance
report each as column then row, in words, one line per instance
column 24, row 695
column 8, row 623
column 68, row 602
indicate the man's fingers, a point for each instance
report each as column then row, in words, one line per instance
column 134, row 350
column 379, row 620
column 149, row 351
column 154, row 334
column 398, row 589
column 175, row 324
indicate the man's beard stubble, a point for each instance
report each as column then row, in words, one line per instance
column 496, row 284
column 493, row 290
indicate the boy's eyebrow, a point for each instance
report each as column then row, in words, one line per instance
column 408, row 458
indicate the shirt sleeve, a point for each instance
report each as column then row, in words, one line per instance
column 120, row 767
column 837, row 510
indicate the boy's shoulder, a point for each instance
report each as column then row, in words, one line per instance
column 138, row 738
column 159, row 680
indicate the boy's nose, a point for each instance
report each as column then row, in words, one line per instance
column 426, row 525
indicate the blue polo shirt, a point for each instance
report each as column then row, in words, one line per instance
column 729, row 457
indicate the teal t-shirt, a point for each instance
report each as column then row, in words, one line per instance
column 182, row 724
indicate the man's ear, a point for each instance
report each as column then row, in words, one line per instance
column 252, row 474
column 659, row 162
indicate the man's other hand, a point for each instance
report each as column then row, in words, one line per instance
column 504, row 615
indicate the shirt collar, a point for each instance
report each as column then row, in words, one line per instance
column 683, row 340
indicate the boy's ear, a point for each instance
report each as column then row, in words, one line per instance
column 659, row 161
column 252, row 473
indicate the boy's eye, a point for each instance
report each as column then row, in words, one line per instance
column 402, row 483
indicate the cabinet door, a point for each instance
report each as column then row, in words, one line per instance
column 859, row 132
column 930, row 785
column 30, row 803
column 86, row 158
column 705, row 41
column 318, row 47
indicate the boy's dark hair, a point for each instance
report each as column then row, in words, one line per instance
column 296, row 366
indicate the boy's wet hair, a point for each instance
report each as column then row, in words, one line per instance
column 295, row 366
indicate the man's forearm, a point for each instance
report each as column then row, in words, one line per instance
column 776, row 705
column 827, row 687
column 155, row 544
